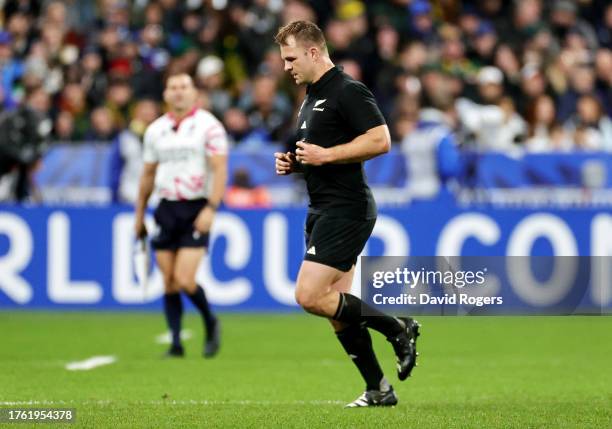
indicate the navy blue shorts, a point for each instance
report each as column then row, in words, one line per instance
column 175, row 229
column 335, row 241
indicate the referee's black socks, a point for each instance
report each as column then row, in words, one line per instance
column 173, row 309
column 349, row 312
column 357, row 343
column 198, row 298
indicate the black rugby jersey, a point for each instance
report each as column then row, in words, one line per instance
column 337, row 109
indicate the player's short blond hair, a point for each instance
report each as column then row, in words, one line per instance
column 305, row 32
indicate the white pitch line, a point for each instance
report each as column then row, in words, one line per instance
column 91, row 363
column 176, row 402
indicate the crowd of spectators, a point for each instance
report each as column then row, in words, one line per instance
column 529, row 72
column 497, row 74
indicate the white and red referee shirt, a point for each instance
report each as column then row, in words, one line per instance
column 181, row 150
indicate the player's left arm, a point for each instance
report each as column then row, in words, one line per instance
column 218, row 166
column 372, row 143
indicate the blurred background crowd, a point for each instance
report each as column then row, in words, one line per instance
column 495, row 75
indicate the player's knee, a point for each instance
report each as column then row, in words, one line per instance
column 184, row 283
column 307, row 300
column 171, row 290
column 169, row 286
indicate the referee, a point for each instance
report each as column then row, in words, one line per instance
column 339, row 127
column 185, row 160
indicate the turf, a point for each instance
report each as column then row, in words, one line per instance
column 289, row 371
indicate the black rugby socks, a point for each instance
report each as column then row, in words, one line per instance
column 198, row 298
column 357, row 343
column 173, row 309
column 349, row 312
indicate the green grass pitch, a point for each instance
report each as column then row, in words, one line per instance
column 289, row 371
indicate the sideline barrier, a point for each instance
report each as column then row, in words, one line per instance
column 81, row 173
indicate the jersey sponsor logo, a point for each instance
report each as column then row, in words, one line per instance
column 303, row 127
column 318, row 103
column 312, row 251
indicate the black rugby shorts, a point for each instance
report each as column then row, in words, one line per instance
column 175, row 229
column 336, row 241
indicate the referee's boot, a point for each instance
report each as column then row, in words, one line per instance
column 175, row 352
column 404, row 345
column 375, row 398
column 213, row 341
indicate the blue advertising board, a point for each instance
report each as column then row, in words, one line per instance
column 65, row 257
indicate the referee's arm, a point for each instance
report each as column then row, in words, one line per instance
column 218, row 165
column 145, row 188
column 373, row 142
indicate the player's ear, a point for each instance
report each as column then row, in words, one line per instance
column 314, row 53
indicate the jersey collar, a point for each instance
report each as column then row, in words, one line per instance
column 329, row 75
column 176, row 121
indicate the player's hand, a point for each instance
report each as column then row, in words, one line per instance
column 204, row 221
column 284, row 163
column 311, row 154
column 140, row 230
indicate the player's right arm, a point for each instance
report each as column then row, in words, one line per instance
column 285, row 163
column 145, row 188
